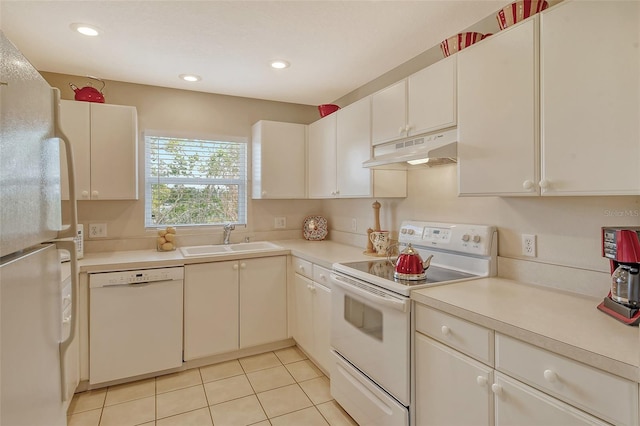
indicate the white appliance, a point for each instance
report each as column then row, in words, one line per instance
column 135, row 323
column 371, row 316
column 34, row 389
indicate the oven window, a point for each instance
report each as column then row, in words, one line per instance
column 364, row 317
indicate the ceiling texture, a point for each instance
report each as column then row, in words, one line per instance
column 333, row 47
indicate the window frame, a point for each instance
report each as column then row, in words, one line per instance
column 242, row 182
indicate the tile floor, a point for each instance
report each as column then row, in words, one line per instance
column 275, row 388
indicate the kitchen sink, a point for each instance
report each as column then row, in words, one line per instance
column 213, row 250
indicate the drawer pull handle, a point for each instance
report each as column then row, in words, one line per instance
column 550, row 376
column 496, row 389
column 446, row 330
column 481, row 381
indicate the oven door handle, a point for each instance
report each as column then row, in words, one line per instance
column 379, row 299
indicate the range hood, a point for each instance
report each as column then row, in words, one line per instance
column 428, row 149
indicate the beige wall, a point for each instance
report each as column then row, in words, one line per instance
column 187, row 111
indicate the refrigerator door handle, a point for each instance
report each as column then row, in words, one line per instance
column 69, row 245
column 71, row 229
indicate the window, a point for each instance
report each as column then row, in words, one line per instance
column 195, row 181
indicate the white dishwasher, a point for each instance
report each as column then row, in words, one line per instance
column 135, row 323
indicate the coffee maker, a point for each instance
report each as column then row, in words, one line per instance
column 621, row 245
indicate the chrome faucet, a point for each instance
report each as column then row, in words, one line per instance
column 227, row 232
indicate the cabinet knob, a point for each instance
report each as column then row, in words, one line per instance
column 323, row 277
column 482, row 381
column 235, row 266
column 264, row 193
column 528, row 185
column 496, row 389
column 400, row 129
column 85, row 194
column 545, row 184
column 446, row 331
column 301, row 268
column 550, row 376
column 94, row 194
column 243, row 265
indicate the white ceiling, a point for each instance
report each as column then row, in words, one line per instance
column 334, row 47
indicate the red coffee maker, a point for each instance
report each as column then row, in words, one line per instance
column 621, row 245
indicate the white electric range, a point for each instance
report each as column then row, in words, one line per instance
column 371, row 316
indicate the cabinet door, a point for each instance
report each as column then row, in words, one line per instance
column 321, row 158
column 445, row 379
column 354, row 148
column 75, row 122
column 263, row 300
column 519, row 404
column 389, row 113
column 210, row 309
column 322, row 325
column 279, row 158
column 114, row 152
column 590, row 94
column 303, row 333
column 432, row 97
column 498, row 114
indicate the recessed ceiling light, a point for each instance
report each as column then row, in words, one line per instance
column 190, row 77
column 88, row 30
column 279, row 64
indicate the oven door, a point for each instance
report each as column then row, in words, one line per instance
column 370, row 329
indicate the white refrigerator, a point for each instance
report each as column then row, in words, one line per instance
column 33, row 341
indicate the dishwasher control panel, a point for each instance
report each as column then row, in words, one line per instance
column 135, row 277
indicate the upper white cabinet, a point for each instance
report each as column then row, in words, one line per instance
column 432, row 97
column 590, row 95
column 498, row 113
column 105, row 142
column 421, row 103
column 278, row 152
column 572, row 129
column 389, row 113
column 338, row 145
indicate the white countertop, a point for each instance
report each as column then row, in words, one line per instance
column 561, row 322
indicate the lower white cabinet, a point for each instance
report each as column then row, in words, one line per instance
column 313, row 312
column 527, row 386
column 234, row 304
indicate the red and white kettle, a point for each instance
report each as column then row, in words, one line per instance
column 89, row 93
column 409, row 265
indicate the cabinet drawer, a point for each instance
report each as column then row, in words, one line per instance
column 474, row 340
column 321, row 275
column 303, row 267
column 609, row 397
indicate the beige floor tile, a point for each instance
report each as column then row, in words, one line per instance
column 228, row 389
column 180, row 401
column 181, row 380
column 307, row 417
column 303, row 370
column 270, row 378
column 262, row 423
column 86, row 418
column 289, row 355
column 318, row 389
column 130, row 413
column 130, row 391
column 238, row 412
column 221, row 371
column 89, row 400
column 259, row 362
column 335, row 415
column 283, row 400
column 200, row 417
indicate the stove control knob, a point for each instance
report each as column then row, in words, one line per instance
column 476, row 238
column 410, row 231
column 465, row 237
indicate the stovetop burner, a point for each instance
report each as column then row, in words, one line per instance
column 384, row 269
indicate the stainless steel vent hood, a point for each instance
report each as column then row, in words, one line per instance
column 430, row 149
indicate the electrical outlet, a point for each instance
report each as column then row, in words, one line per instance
column 280, row 222
column 529, row 245
column 97, row 230
column 354, row 225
